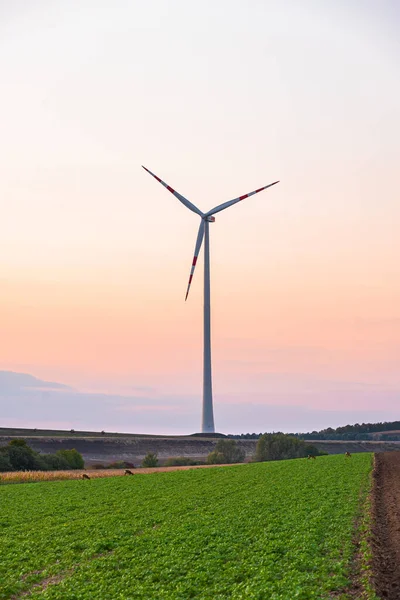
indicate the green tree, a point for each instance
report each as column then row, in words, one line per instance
column 72, row 457
column 216, row 458
column 5, row 464
column 55, row 462
column 230, row 450
column 18, row 443
column 150, row 460
column 18, row 456
column 22, row 457
column 279, row 446
column 311, row 450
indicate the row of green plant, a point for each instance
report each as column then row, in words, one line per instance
column 18, row 456
column 277, row 530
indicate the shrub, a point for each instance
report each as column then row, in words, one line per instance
column 72, row 457
column 215, row 458
column 226, row 452
column 5, row 464
column 18, row 456
column 54, row 462
column 18, row 443
column 150, row 460
column 313, row 451
column 22, row 457
column 279, row 446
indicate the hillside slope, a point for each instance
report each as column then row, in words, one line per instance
column 132, row 448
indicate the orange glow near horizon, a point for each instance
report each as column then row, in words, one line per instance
column 95, row 254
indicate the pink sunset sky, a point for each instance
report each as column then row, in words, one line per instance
column 218, row 98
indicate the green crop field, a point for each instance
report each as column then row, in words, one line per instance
column 280, row 530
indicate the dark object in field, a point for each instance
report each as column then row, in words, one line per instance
column 128, row 472
column 311, row 456
column 347, row 454
column 84, row 476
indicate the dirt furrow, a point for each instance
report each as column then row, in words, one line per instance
column 386, row 525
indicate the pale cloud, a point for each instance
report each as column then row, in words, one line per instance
column 298, row 407
column 11, row 381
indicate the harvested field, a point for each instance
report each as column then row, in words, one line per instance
column 34, row 476
column 386, row 525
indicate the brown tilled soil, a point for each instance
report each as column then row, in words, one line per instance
column 386, row 525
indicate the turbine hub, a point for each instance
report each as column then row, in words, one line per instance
column 210, row 219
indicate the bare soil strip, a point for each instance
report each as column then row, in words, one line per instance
column 386, row 525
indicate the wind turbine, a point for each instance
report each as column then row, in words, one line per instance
column 206, row 218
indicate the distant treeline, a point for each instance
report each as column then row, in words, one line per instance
column 365, row 431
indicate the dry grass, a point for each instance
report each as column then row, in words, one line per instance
column 33, row 476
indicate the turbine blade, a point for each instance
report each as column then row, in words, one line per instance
column 231, row 202
column 199, row 241
column 184, row 200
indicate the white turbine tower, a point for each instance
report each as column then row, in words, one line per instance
column 206, row 218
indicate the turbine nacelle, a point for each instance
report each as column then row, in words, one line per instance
column 207, row 217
